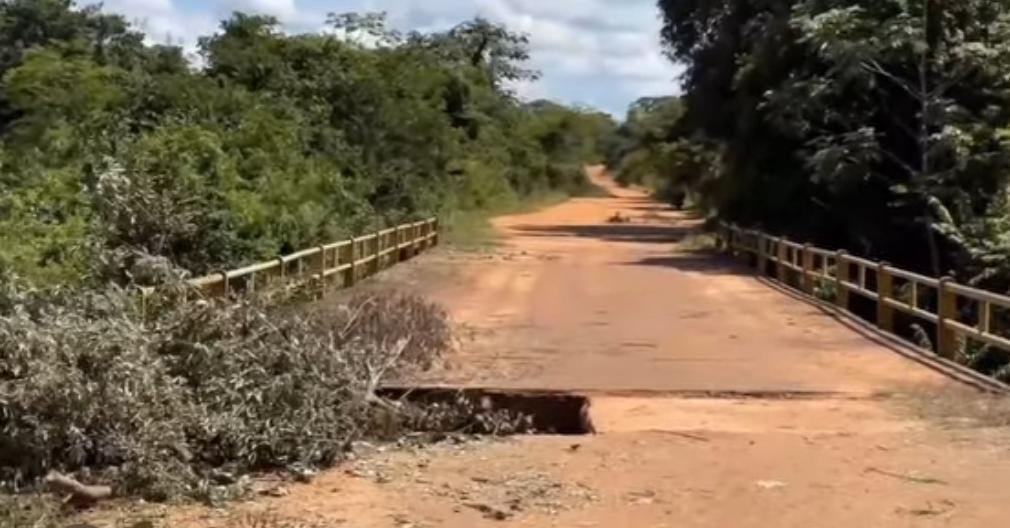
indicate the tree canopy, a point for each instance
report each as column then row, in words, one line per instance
column 872, row 125
column 877, row 126
column 111, row 147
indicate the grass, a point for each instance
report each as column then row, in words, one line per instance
column 473, row 231
column 698, row 243
column 34, row 511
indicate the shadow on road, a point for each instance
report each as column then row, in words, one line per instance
column 641, row 234
column 706, row 263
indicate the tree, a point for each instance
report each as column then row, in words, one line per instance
column 914, row 66
column 113, row 149
column 877, row 126
column 850, row 123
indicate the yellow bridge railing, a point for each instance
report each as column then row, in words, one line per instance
column 342, row 263
column 957, row 311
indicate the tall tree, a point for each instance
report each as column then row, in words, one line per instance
column 876, row 124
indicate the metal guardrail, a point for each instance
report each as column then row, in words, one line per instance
column 892, row 289
column 341, row 263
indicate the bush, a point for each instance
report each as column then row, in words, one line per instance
column 279, row 143
column 163, row 406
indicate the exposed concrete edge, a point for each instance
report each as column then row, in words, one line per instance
column 686, row 394
column 927, row 358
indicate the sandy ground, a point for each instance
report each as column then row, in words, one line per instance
column 718, row 400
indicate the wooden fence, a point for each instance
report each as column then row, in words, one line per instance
column 957, row 311
column 340, row 264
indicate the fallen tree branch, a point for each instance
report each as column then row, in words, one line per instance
column 78, row 494
column 375, row 376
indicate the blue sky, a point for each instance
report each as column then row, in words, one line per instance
column 603, row 53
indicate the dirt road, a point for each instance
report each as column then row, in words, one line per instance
column 575, row 303
column 718, row 400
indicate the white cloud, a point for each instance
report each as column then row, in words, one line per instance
column 138, row 6
column 601, row 52
column 604, row 52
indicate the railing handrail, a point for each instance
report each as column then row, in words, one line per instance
column 948, row 317
column 354, row 259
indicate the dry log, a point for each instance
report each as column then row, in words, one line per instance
column 77, row 494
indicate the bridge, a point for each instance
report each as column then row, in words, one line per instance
column 719, row 397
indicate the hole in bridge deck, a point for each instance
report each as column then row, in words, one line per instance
column 552, row 413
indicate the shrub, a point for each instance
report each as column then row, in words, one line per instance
column 160, row 407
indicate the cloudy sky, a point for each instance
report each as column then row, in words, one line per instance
column 604, row 53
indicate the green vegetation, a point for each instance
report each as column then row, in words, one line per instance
column 123, row 163
column 183, row 402
column 875, row 126
column 652, row 149
column 112, row 149
column 473, row 230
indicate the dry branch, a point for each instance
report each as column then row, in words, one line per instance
column 77, row 494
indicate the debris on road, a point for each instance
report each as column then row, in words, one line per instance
column 943, row 507
column 642, row 497
column 618, row 218
column 689, row 436
column 489, row 511
column 909, row 478
column 770, row 484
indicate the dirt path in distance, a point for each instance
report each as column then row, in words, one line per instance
column 574, row 303
column 718, row 401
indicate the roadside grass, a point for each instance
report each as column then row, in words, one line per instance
column 473, row 231
column 34, row 511
column 698, row 243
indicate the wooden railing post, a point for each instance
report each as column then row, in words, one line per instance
column 841, row 277
column 946, row 337
column 397, row 242
column 352, row 274
column 320, row 268
column 782, row 256
column 737, row 241
column 225, row 287
column 145, row 293
column 808, row 269
column 377, row 247
column 727, row 239
column 762, row 255
column 885, row 290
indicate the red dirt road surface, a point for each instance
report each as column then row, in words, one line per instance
column 719, row 401
column 576, row 303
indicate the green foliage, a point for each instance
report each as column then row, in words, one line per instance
column 877, row 126
column 109, row 145
column 654, row 149
column 868, row 125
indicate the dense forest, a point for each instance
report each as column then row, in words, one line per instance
column 876, row 126
column 879, row 127
column 113, row 148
